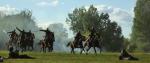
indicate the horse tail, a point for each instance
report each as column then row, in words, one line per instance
column 69, row 43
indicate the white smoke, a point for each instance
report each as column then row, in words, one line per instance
column 10, row 22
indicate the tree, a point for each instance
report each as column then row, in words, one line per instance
column 83, row 20
column 141, row 28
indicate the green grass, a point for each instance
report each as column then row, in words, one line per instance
column 76, row 58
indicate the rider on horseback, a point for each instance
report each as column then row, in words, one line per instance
column 22, row 39
column 92, row 34
column 49, row 34
column 12, row 35
column 30, row 38
column 78, row 39
column 23, row 34
column 49, row 38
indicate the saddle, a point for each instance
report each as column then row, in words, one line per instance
column 78, row 43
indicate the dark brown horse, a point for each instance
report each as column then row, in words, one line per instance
column 72, row 45
column 30, row 41
column 49, row 39
column 13, row 41
column 44, row 45
column 93, row 42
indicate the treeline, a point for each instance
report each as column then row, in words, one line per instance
column 140, row 37
column 82, row 19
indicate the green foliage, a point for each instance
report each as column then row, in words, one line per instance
column 141, row 27
column 83, row 20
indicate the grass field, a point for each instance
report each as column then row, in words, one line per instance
column 76, row 58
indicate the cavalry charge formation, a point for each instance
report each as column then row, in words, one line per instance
column 25, row 40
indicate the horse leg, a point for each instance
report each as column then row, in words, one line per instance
column 94, row 50
column 88, row 50
column 32, row 47
column 24, row 48
column 41, row 49
column 28, row 48
column 44, row 49
column 100, row 49
column 73, row 50
column 49, row 49
column 51, row 46
column 81, row 50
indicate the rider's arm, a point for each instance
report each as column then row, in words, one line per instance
column 43, row 30
column 9, row 32
column 18, row 29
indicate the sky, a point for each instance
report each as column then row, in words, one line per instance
column 46, row 12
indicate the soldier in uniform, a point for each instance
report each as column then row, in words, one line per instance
column 92, row 35
column 22, row 39
column 77, row 38
column 30, row 39
column 49, row 38
column 13, row 35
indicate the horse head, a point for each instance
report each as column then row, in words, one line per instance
column 68, row 44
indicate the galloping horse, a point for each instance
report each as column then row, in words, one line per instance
column 93, row 42
column 73, row 45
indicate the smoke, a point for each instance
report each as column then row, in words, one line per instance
column 61, row 36
column 25, row 21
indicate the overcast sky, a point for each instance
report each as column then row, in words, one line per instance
column 54, row 11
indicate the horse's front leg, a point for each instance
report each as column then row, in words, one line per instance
column 88, row 50
column 82, row 49
column 44, row 49
column 95, row 50
column 100, row 49
column 71, row 50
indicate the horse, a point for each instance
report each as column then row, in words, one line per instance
column 72, row 45
column 42, row 45
column 93, row 42
column 30, row 44
column 13, row 41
